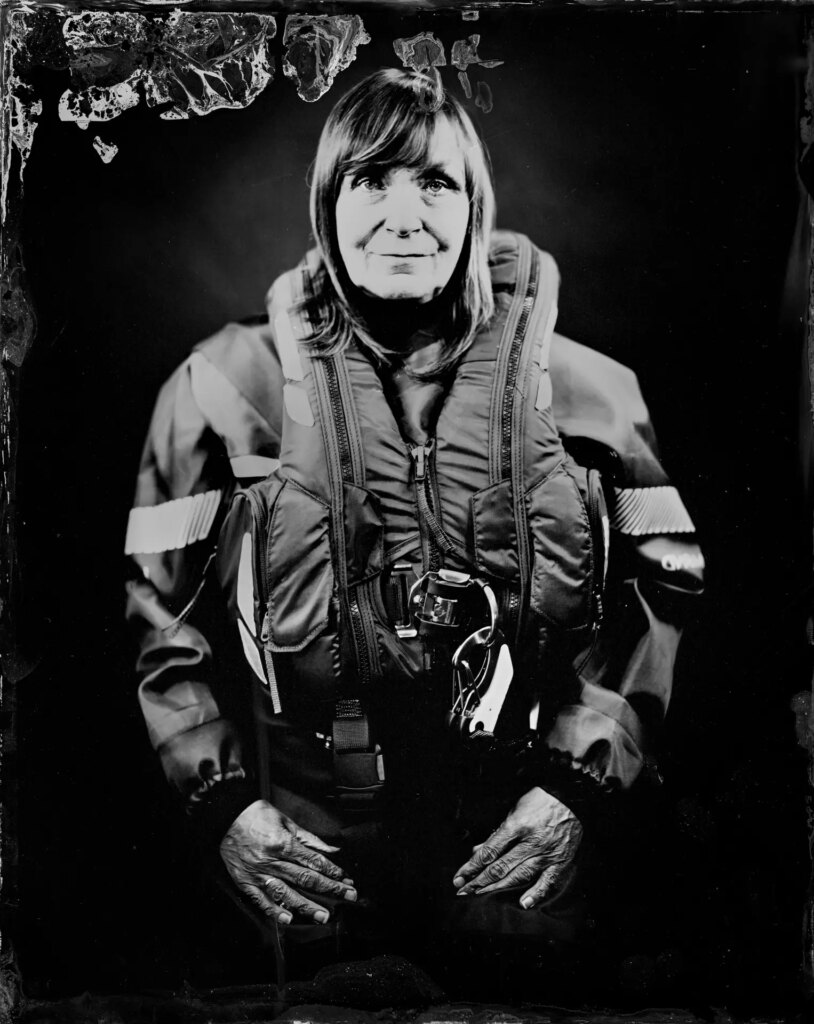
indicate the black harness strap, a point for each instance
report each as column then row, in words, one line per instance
column 358, row 766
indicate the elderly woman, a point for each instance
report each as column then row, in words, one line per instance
column 442, row 536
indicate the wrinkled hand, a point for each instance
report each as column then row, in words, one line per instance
column 279, row 865
column 535, row 846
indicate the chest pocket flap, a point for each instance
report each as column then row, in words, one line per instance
column 300, row 574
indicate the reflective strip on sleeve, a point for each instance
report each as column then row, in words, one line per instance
column 650, row 510
column 253, row 466
column 210, row 510
column 174, row 524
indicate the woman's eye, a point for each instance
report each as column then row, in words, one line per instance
column 436, row 186
column 368, row 183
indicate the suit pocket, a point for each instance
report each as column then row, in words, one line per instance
column 299, row 570
column 565, row 515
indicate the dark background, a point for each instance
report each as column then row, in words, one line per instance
column 653, row 153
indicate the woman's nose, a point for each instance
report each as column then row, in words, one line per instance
column 403, row 212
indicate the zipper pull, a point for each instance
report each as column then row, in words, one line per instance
column 420, row 454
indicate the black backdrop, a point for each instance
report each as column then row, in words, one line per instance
column 653, row 153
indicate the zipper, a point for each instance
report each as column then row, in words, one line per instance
column 513, row 366
column 338, row 408
column 516, row 603
column 431, row 530
column 358, row 627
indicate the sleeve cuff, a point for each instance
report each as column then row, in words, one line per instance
column 213, row 813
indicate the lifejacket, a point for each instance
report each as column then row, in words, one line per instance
column 494, row 495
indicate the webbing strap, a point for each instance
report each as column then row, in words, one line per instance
column 358, row 766
column 358, row 763
column 351, row 728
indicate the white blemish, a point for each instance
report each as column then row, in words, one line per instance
column 210, row 86
column 106, row 150
column 97, row 103
column 178, row 74
column 337, row 35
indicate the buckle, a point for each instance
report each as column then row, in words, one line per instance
column 446, row 603
column 356, row 770
column 398, row 588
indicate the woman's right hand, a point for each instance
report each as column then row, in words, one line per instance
column 280, row 866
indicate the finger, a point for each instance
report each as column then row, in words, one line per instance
column 307, row 880
column 553, row 878
column 314, row 842
column 258, row 896
column 482, row 856
column 291, row 902
column 524, row 874
column 496, row 872
column 300, row 854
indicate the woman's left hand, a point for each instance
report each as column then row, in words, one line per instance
column 535, row 847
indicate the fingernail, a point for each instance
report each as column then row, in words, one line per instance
column 321, row 917
column 284, row 918
column 527, row 903
column 350, row 894
column 458, row 881
column 463, row 892
column 347, row 881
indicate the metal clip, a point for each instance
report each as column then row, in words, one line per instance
column 441, row 605
column 400, row 598
column 478, row 697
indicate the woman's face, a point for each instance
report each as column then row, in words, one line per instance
column 401, row 231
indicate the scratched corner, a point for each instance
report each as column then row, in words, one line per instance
column 318, row 47
column 21, row 109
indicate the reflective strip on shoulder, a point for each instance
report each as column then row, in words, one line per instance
column 171, row 525
column 287, row 347
column 548, row 334
column 255, row 466
column 545, row 394
column 650, row 510
column 544, row 391
column 298, row 405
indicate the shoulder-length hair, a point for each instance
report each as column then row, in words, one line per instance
column 388, row 120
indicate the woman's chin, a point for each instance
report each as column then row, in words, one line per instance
column 403, row 292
